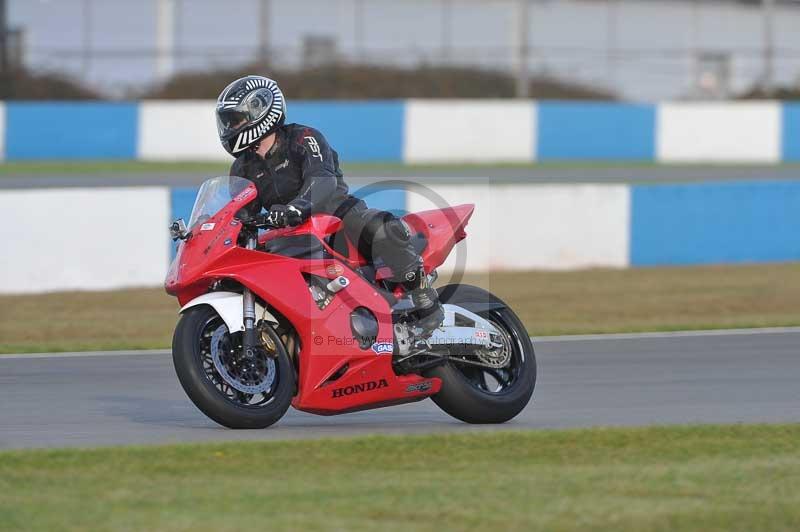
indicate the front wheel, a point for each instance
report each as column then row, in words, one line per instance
column 236, row 391
column 502, row 386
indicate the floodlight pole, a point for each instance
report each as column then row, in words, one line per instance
column 3, row 39
column 165, row 38
column 447, row 30
column 358, row 27
column 611, row 42
column 263, row 31
column 521, row 48
column 768, row 10
column 87, row 37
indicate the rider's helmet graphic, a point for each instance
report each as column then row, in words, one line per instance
column 248, row 110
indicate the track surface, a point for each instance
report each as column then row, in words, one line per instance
column 476, row 175
column 722, row 377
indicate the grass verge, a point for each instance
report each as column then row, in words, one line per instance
column 575, row 302
column 105, row 167
column 705, row 478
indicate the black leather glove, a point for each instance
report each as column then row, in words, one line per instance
column 286, row 215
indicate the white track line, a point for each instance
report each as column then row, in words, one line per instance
column 669, row 334
column 81, row 354
column 536, row 339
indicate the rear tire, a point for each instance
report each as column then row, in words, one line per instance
column 460, row 396
column 194, row 376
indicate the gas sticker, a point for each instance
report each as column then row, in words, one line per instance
column 382, row 348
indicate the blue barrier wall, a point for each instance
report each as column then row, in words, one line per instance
column 375, row 131
column 71, row 130
column 715, row 223
column 570, row 130
column 790, row 136
column 181, row 202
column 358, row 131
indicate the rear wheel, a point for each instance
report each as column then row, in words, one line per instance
column 499, row 388
column 236, row 391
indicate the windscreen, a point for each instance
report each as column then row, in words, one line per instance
column 214, row 194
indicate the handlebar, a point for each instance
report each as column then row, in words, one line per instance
column 259, row 221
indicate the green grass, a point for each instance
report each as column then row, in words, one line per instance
column 105, row 167
column 549, row 303
column 711, row 478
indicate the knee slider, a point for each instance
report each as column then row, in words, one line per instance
column 397, row 231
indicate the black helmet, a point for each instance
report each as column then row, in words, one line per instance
column 248, row 110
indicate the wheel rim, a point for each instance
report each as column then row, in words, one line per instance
column 246, row 382
column 496, row 380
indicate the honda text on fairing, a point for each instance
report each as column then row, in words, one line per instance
column 273, row 317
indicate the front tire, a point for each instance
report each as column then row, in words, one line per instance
column 465, row 393
column 206, row 387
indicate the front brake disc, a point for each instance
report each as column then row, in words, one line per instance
column 251, row 376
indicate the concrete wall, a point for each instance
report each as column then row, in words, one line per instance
column 595, row 131
column 70, row 130
column 179, row 131
column 117, row 237
column 469, row 131
column 83, row 239
column 421, row 131
column 715, row 223
column 719, row 132
column 538, row 226
column 790, row 141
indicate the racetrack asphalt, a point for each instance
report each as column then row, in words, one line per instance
column 614, row 380
column 467, row 175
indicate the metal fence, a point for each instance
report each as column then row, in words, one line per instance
column 643, row 50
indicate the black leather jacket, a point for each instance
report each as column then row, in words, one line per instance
column 301, row 169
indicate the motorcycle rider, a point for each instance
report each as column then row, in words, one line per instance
column 297, row 174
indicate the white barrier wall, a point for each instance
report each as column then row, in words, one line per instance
column 469, row 131
column 179, row 131
column 539, row 226
column 83, row 239
column 717, row 132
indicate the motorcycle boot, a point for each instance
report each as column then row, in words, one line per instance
column 392, row 243
column 425, row 301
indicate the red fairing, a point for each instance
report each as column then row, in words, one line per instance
column 327, row 344
column 443, row 228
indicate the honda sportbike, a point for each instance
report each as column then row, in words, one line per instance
column 273, row 317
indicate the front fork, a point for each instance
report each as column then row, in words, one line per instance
column 250, row 343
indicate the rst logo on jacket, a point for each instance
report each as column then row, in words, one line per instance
column 313, row 145
column 360, row 387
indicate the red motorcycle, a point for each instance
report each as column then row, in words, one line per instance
column 295, row 316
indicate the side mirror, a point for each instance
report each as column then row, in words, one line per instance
column 178, row 230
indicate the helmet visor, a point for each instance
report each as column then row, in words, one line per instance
column 252, row 108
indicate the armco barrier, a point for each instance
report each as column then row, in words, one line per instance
column 358, row 131
column 179, row 131
column 70, row 130
column 95, row 245
column 421, row 131
column 83, row 238
column 2, row 131
column 790, row 141
column 541, row 226
column 595, row 131
column 469, row 131
column 747, row 132
column 715, row 223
